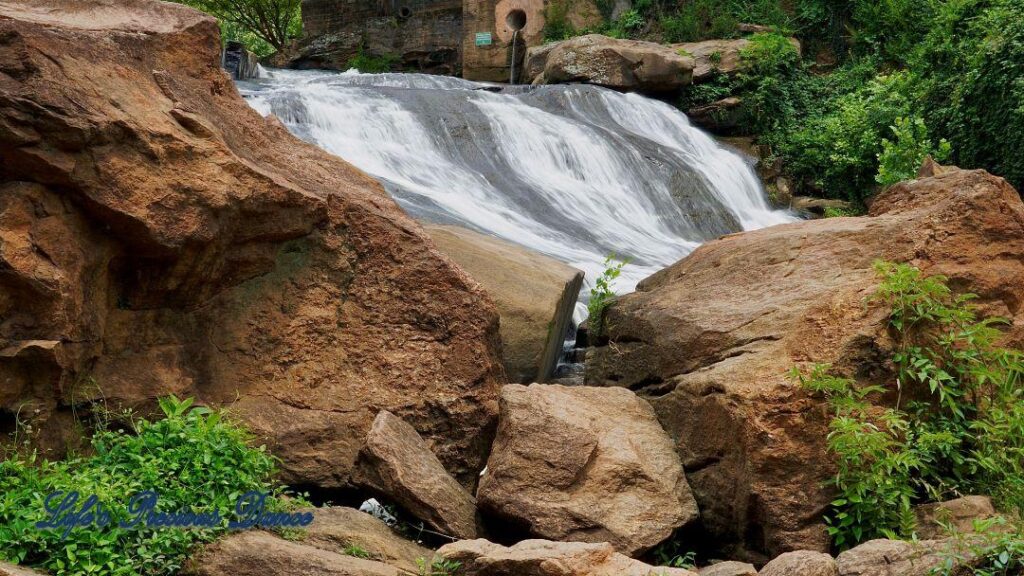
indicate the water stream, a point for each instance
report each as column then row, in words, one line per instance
column 576, row 172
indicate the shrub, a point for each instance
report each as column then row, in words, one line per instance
column 371, row 64
column 193, row 457
column 964, row 435
column 602, row 293
column 902, row 157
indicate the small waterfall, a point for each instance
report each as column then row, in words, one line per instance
column 577, row 172
column 512, row 70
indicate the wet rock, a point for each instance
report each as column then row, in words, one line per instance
column 710, row 339
column 164, row 238
column 535, row 296
column 585, row 464
column 396, row 463
column 547, row 558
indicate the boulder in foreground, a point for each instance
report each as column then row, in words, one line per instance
column 159, row 236
column 710, row 341
column 585, row 464
column 337, row 529
column 258, row 553
column 546, row 558
column 396, row 463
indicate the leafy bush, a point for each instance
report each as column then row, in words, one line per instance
column 694, row 20
column 962, row 434
column 602, row 293
column 370, row 64
column 264, row 26
column 901, row 157
column 556, row 21
column 193, row 457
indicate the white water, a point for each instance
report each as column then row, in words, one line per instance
column 575, row 172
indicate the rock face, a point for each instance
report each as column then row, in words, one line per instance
column 397, row 463
column 960, row 514
column 713, row 57
column 336, row 529
column 801, row 563
column 257, row 553
column 710, row 339
column 424, row 35
column 158, row 236
column 585, row 464
column 13, row 570
column 535, row 296
column 546, row 558
column 619, row 64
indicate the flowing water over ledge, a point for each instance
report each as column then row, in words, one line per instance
column 576, row 172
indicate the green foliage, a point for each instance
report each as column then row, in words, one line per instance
column 371, row 64
column 835, row 147
column 193, row 457
column 672, row 554
column 901, row 157
column 556, row 21
column 962, row 434
column 438, row 567
column 602, row 293
column 264, row 26
column 993, row 548
column 356, row 551
column 694, row 20
column 831, row 212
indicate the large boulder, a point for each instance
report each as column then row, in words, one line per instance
column 901, row 558
column 585, row 464
column 611, row 62
column 546, row 558
column 718, row 56
column 960, row 515
column 535, row 296
column 338, row 529
column 710, row 340
column 397, row 463
column 158, row 236
column 801, row 563
column 258, row 553
column 15, row 570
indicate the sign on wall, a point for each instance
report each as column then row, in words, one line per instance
column 483, row 38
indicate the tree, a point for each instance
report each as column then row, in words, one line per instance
column 269, row 20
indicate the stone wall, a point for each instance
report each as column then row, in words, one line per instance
column 421, row 35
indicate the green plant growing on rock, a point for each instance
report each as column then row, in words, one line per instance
column 438, row 567
column 602, row 293
column 193, row 457
column 901, row 157
column 356, row 551
column 370, row 64
column 963, row 432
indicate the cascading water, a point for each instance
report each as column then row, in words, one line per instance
column 576, row 172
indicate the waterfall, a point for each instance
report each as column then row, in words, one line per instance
column 512, row 68
column 577, row 172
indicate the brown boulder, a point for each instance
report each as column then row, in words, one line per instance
column 15, row 570
column 397, row 463
column 801, row 563
column 710, row 339
column 338, row 529
column 728, row 568
column 535, row 296
column 258, row 553
column 159, row 236
column 718, row 56
column 900, row 558
column 613, row 63
column 585, row 464
column 546, row 558
column 960, row 514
